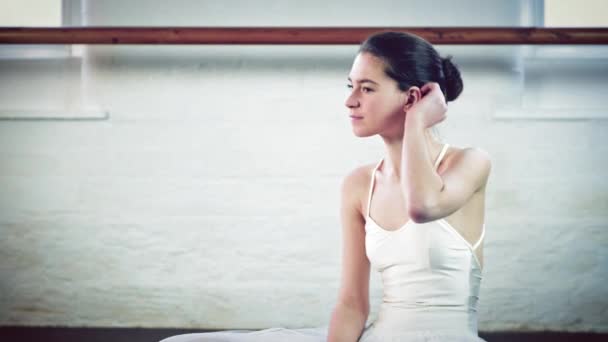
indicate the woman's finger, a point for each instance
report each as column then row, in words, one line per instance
column 428, row 87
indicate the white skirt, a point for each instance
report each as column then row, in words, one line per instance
column 392, row 325
column 379, row 335
column 269, row 335
column 396, row 324
column 371, row 333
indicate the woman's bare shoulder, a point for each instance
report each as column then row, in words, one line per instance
column 360, row 176
column 460, row 149
column 472, row 160
column 472, row 153
column 356, row 183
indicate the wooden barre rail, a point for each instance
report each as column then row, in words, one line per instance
column 296, row 35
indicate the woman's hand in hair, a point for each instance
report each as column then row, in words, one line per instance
column 430, row 109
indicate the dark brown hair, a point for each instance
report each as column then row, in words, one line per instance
column 412, row 61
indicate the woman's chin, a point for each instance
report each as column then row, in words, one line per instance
column 360, row 133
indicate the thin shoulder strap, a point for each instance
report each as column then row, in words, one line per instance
column 483, row 231
column 441, row 154
column 371, row 186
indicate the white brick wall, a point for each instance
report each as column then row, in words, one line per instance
column 209, row 198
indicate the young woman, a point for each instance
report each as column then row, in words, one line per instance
column 424, row 228
column 417, row 215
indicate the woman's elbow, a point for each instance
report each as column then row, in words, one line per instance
column 419, row 213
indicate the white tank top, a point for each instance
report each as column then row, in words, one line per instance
column 430, row 273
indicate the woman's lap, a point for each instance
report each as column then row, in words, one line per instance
column 269, row 335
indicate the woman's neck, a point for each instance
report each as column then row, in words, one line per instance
column 394, row 148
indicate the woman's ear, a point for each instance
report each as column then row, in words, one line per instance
column 412, row 96
column 416, row 93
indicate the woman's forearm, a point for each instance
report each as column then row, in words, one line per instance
column 346, row 324
column 420, row 183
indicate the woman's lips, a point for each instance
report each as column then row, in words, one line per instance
column 355, row 118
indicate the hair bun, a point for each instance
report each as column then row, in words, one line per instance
column 453, row 81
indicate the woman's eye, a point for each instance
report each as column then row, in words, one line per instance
column 365, row 89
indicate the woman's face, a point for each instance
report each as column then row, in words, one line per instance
column 375, row 98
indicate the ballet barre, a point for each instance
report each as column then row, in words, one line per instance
column 114, row 35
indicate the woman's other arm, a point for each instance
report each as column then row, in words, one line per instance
column 350, row 313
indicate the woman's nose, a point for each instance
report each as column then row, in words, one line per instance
column 351, row 101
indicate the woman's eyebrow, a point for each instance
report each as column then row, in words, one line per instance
column 363, row 80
